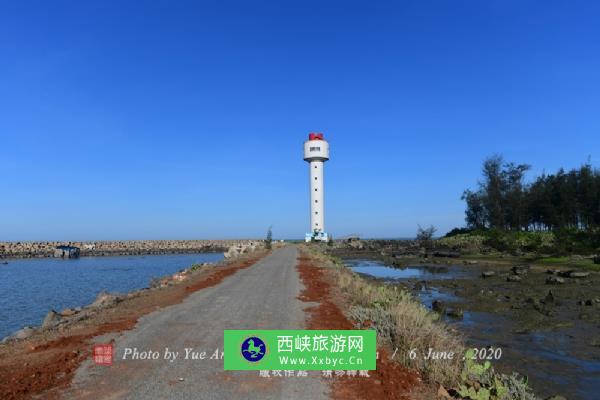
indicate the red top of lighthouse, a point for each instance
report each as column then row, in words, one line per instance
column 315, row 136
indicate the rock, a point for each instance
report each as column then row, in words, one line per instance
column 436, row 269
column 487, row 274
column 64, row 251
column 105, row 300
column 554, row 280
column 446, row 253
column 179, row 277
column 131, row 247
column 52, row 319
column 231, row 252
column 549, row 299
column 565, row 274
column 575, row 274
column 520, row 269
column 442, row 393
column 455, row 313
column 471, row 262
column 241, row 248
column 356, row 243
column 589, row 303
column 438, row 306
column 24, row 333
column 551, row 271
column 67, row 312
column 513, row 278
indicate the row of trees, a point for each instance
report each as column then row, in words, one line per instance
column 504, row 201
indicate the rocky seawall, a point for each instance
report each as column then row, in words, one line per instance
column 126, row 247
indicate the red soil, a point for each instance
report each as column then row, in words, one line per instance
column 390, row 380
column 46, row 363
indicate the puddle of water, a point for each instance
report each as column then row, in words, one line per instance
column 380, row 270
column 428, row 295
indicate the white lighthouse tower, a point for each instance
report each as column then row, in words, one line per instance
column 316, row 152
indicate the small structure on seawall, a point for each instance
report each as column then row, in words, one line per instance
column 66, row 252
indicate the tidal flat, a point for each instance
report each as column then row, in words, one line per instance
column 546, row 321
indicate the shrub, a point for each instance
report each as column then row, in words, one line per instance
column 464, row 242
column 458, row 231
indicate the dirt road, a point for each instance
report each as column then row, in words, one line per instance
column 263, row 296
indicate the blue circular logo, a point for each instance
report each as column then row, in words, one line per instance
column 253, row 349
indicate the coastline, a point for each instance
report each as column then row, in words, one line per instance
column 43, row 359
column 20, row 250
column 523, row 306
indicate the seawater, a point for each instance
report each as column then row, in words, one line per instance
column 29, row 288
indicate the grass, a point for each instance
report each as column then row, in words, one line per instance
column 409, row 326
column 567, row 262
column 403, row 321
column 585, row 263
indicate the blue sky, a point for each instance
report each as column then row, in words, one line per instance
column 185, row 120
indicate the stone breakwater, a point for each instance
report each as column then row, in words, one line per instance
column 126, row 247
